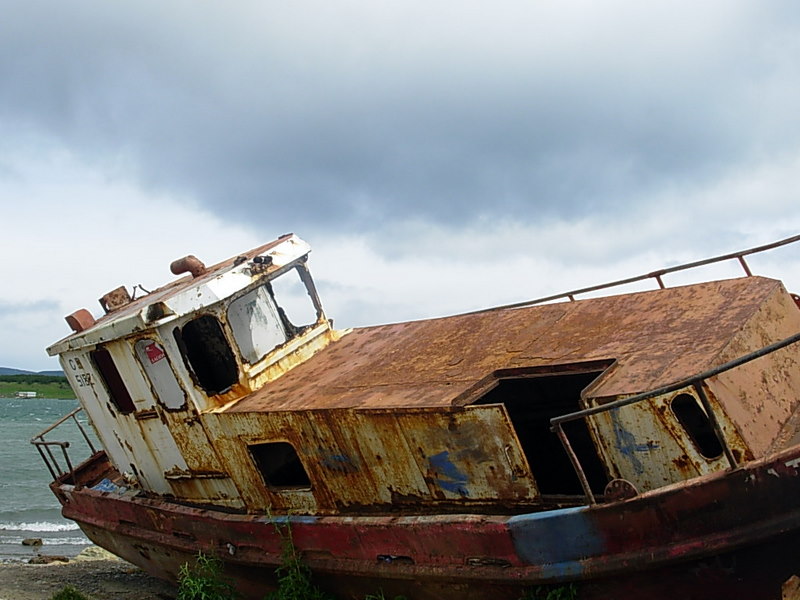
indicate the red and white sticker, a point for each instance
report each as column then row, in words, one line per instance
column 154, row 352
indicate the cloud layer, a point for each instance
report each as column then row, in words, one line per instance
column 449, row 155
column 352, row 116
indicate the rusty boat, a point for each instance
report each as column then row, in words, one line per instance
column 628, row 443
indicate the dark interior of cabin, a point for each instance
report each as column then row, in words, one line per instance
column 531, row 402
column 279, row 465
column 208, row 354
column 115, row 386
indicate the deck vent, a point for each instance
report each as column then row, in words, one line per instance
column 115, row 299
column 80, row 320
column 188, row 264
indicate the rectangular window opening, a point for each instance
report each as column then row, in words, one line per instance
column 208, row 354
column 280, row 466
column 109, row 374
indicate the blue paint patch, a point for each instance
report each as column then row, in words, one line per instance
column 287, row 520
column 556, row 540
column 106, row 485
column 303, row 520
column 447, row 475
column 625, row 442
column 341, row 463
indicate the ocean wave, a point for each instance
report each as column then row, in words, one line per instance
column 38, row 526
column 65, row 541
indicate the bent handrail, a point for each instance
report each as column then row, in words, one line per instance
column 45, row 446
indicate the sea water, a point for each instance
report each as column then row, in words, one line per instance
column 28, row 509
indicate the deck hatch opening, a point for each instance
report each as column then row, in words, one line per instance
column 114, row 384
column 697, row 425
column 208, row 353
column 280, row 466
column 531, row 401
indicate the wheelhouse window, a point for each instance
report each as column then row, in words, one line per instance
column 208, row 354
column 280, row 466
column 268, row 316
column 293, row 298
column 256, row 324
column 109, row 374
column 156, row 365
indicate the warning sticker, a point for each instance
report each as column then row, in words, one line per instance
column 154, row 352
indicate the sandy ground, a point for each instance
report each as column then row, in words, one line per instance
column 98, row 577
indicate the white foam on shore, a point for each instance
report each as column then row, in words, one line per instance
column 38, row 526
column 68, row 541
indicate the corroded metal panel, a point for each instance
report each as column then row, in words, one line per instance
column 232, row 436
column 687, row 541
column 647, row 444
column 760, row 397
column 469, row 455
column 381, row 460
column 437, row 362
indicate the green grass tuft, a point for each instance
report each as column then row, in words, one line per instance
column 68, row 593
column 204, row 580
column 294, row 577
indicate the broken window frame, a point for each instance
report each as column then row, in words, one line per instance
column 264, row 307
column 296, row 480
column 304, row 275
column 289, row 328
column 109, row 375
column 199, row 359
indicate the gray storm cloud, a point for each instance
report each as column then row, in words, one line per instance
column 319, row 115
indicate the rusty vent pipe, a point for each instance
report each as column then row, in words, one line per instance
column 188, row 264
column 80, row 320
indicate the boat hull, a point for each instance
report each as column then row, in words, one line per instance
column 730, row 534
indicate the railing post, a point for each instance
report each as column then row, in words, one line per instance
column 575, row 463
column 47, row 462
column 744, row 266
column 83, row 433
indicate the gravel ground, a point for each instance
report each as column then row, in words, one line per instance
column 98, row 577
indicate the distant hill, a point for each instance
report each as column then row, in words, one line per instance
column 10, row 371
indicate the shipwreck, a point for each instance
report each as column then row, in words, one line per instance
column 640, row 443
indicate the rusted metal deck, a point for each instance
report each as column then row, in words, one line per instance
column 654, row 337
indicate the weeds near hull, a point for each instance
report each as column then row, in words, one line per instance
column 204, row 580
column 294, row 577
column 559, row 592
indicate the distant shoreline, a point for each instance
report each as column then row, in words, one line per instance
column 44, row 386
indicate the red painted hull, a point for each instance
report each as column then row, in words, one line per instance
column 728, row 535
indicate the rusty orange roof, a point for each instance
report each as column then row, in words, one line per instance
column 655, row 337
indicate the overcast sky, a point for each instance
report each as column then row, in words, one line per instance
column 439, row 156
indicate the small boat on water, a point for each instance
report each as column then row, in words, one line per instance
column 642, row 443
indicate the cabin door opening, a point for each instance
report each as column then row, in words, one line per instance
column 531, row 402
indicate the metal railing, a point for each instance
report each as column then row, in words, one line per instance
column 46, row 447
column 696, row 381
column 657, row 275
